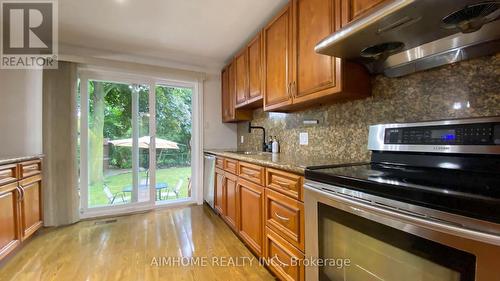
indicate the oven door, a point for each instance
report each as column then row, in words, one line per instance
column 350, row 239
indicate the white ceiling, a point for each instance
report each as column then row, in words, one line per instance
column 200, row 33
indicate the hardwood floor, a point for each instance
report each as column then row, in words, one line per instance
column 131, row 248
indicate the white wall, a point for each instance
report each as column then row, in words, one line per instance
column 20, row 112
column 217, row 135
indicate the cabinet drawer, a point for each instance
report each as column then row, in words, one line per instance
column 8, row 174
column 284, row 258
column 286, row 217
column 30, row 168
column 231, row 166
column 251, row 172
column 219, row 162
column 286, row 183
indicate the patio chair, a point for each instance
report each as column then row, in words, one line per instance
column 177, row 189
column 112, row 196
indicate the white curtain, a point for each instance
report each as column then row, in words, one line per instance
column 60, row 124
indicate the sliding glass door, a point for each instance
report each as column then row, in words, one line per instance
column 114, row 155
column 173, row 132
column 135, row 144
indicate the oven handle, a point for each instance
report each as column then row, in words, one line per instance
column 356, row 206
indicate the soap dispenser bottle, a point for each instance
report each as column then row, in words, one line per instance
column 276, row 145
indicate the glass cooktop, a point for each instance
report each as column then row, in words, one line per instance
column 471, row 194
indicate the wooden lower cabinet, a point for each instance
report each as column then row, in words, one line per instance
column 31, row 205
column 20, row 204
column 285, row 259
column 286, row 183
column 269, row 219
column 251, row 214
column 10, row 236
column 285, row 216
column 219, row 200
column 230, row 194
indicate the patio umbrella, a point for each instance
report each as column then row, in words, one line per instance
column 145, row 142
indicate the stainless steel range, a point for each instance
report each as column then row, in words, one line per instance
column 427, row 206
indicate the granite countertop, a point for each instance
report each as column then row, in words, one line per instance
column 5, row 159
column 292, row 163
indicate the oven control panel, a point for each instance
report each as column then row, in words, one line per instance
column 459, row 134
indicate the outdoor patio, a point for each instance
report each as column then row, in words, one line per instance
column 120, row 182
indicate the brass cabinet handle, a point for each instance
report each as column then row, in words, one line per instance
column 281, row 218
column 294, row 89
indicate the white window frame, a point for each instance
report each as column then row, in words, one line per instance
column 88, row 73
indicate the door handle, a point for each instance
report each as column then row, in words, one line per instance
column 294, row 89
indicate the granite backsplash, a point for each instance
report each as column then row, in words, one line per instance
column 466, row 89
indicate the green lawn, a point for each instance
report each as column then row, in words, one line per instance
column 116, row 183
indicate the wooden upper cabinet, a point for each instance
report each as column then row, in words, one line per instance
column 277, row 49
column 255, row 70
column 295, row 76
column 357, row 8
column 228, row 88
column 316, row 75
column 232, row 91
column 225, row 95
column 241, row 76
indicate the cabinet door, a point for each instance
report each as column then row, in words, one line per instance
column 231, row 206
column 10, row 234
column 255, row 69
column 219, row 191
column 251, row 215
column 354, row 9
column 232, row 91
column 277, row 61
column 225, row 95
column 31, row 205
column 316, row 75
column 241, row 72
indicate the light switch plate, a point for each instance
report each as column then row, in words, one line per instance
column 242, row 139
column 304, row 139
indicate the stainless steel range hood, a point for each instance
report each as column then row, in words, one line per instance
column 404, row 36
